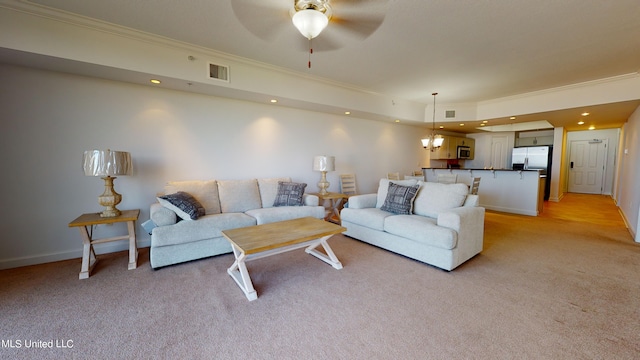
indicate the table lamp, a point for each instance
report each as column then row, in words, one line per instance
column 323, row 164
column 108, row 164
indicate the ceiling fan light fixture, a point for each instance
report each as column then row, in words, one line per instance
column 310, row 22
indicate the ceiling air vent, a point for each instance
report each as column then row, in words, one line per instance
column 450, row 114
column 219, row 72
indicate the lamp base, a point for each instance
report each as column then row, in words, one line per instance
column 323, row 184
column 109, row 199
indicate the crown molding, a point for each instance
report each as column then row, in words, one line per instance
column 576, row 86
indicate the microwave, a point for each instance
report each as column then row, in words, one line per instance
column 464, row 152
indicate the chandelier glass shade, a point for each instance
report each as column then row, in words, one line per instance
column 310, row 22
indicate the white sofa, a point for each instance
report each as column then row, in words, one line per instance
column 228, row 204
column 445, row 226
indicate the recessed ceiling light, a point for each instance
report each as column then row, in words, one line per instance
column 461, row 124
column 155, row 81
column 485, row 121
column 273, row 101
column 483, row 124
column 441, row 126
column 397, row 121
column 347, row 112
column 585, row 114
column 580, row 122
column 592, row 127
column 512, row 118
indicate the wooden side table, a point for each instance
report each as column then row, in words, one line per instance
column 336, row 203
column 86, row 222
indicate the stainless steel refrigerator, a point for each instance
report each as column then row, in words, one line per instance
column 534, row 158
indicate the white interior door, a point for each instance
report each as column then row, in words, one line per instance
column 587, row 159
column 499, row 152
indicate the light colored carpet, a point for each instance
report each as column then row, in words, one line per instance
column 543, row 288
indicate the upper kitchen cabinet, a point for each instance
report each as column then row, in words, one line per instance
column 535, row 138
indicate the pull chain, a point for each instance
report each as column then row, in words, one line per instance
column 310, row 52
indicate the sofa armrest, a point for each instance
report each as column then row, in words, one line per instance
column 310, row 200
column 468, row 222
column 363, row 201
column 462, row 217
column 161, row 216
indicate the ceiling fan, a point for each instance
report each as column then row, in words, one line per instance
column 343, row 20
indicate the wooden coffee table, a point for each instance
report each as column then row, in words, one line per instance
column 255, row 242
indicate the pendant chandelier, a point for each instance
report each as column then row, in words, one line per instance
column 434, row 141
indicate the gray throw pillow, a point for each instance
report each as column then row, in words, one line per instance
column 290, row 194
column 400, row 199
column 183, row 204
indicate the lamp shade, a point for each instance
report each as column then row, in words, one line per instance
column 106, row 163
column 310, row 22
column 324, row 163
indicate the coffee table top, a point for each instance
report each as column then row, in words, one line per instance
column 255, row 239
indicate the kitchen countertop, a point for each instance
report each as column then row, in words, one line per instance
column 504, row 190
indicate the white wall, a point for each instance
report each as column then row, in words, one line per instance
column 49, row 119
column 628, row 194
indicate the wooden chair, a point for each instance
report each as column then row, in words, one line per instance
column 447, row 178
column 475, row 184
column 393, row 176
column 348, row 184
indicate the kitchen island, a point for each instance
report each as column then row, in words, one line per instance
column 506, row 190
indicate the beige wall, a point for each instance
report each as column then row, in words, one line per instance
column 50, row 118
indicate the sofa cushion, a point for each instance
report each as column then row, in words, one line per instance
column 433, row 198
column 206, row 227
column 269, row 189
column 282, row 213
column 372, row 218
column 206, row 192
column 289, row 194
column 239, row 195
column 383, row 188
column 421, row 229
column 400, row 198
column 183, row 204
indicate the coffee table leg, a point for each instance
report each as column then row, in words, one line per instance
column 240, row 274
column 330, row 258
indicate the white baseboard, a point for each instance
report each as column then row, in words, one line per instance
column 105, row 248
column 510, row 210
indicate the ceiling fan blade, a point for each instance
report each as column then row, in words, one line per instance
column 264, row 19
column 359, row 17
column 359, row 26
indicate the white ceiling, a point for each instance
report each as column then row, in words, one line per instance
column 466, row 50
